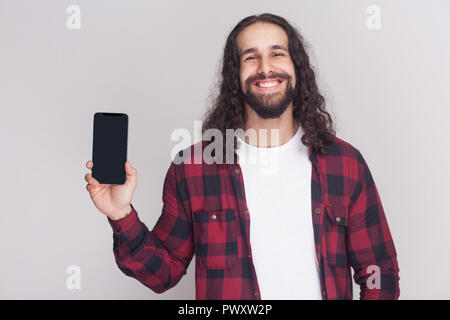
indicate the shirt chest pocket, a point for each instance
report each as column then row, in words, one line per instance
column 215, row 236
column 336, row 230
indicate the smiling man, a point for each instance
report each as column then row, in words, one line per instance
column 267, row 72
column 312, row 220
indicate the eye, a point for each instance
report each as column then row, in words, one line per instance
column 251, row 58
column 278, row 54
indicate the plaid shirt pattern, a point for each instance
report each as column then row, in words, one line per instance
column 205, row 213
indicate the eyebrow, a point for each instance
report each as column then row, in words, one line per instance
column 274, row 47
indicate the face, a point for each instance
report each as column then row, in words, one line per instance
column 267, row 73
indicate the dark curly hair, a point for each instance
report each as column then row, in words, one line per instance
column 227, row 110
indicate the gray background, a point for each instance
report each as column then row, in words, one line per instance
column 387, row 90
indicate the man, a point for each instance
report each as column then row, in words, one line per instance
column 313, row 218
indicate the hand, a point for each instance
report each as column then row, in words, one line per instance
column 112, row 200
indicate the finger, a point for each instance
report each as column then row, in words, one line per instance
column 131, row 172
column 89, row 179
column 90, row 188
column 89, row 164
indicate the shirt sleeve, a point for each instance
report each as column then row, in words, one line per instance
column 157, row 258
column 371, row 249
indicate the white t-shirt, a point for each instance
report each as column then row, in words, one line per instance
column 277, row 185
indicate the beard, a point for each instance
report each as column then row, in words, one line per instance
column 269, row 105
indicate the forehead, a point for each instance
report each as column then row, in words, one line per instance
column 261, row 35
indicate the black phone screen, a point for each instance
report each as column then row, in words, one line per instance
column 109, row 152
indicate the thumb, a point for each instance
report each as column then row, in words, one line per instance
column 131, row 173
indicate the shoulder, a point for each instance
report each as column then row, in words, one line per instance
column 344, row 159
column 189, row 161
column 189, row 155
column 342, row 149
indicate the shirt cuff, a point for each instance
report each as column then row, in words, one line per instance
column 125, row 223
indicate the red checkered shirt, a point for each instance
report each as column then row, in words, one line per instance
column 205, row 213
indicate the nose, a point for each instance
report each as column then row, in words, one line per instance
column 265, row 67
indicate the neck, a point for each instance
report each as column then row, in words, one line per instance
column 285, row 125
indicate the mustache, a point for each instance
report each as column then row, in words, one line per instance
column 250, row 80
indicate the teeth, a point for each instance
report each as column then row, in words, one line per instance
column 268, row 84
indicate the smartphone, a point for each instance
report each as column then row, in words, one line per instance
column 109, row 152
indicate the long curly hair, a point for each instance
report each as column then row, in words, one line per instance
column 227, row 109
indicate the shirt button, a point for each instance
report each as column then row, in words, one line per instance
column 256, row 294
column 324, row 293
column 338, row 219
column 246, row 212
column 236, row 171
column 213, row 217
column 317, row 210
column 249, row 255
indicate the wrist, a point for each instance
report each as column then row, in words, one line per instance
column 122, row 213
